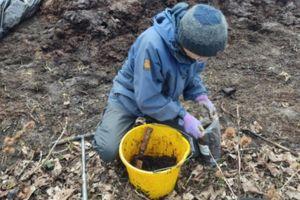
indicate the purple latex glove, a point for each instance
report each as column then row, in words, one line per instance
column 191, row 126
column 203, row 100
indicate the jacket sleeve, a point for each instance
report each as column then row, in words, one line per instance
column 195, row 85
column 148, row 84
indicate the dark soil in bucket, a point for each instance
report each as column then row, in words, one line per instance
column 152, row 163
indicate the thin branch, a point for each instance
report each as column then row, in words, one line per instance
column 226, row 181
column 289, row 180
column 74, row 138
column 54, row 145
column 238, row 150
column 253, row 134
column 41, row 163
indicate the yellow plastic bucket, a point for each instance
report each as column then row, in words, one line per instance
column 164, row 141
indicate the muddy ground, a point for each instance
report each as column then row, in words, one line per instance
column 61, row 63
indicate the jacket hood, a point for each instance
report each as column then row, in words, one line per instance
column 166, row 24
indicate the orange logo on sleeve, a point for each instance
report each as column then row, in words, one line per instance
column 147, row 64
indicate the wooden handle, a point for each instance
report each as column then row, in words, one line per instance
column 143, row 147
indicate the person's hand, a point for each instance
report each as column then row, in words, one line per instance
column 203, row 100
column 191, row 126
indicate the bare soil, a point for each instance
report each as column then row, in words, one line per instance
column 61, row 63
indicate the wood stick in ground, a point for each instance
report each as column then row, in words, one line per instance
column 251, row 133
column 147, row 134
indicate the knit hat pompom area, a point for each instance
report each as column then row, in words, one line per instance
column 203, row 30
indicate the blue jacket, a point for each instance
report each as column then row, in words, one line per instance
column 156, row 72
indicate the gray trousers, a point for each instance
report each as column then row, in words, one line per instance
column 116, row 121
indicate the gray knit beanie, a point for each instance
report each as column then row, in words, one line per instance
column 203, row 30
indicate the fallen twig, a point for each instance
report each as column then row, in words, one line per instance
column 289, row 180
column 54, row 145
column 61, row 151
column 226, row 111
column 251, row 133
column 226, row 181
column 25, row 166
column 74, row 138
column 42, row 162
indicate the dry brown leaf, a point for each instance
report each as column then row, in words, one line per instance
column 249, row 186
column 9, row 141
column 197, row 172
column 3, row 193
column 230, row 132
column 57, row 168
column 68, row 157
column 9, row 150
column 228, row 144
column 52, row 191
column 18, row 134
column 32, row 170
column 233, row 156
column 42, row 118
column 285, row 75
column 63, row 194
column 295, row 165
column 218, row 193
column 218, row 174
column 231, row 181
column 245, row 141
column 292, row 193
column 206, row 194
column 272, row 194
column 20, row 167
column 29, row 125
column 287, row 157
column 42, row 181
column 8, row 184
column 275, row 158
column 228, row 174
column 25, row 150
column 225, row 173
column 273, row 169
column 91, row 154
column 108, row 196
column 172, row 195
column 26, row 193
column 289, row 171
column 188, row 196
column 256, row 127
